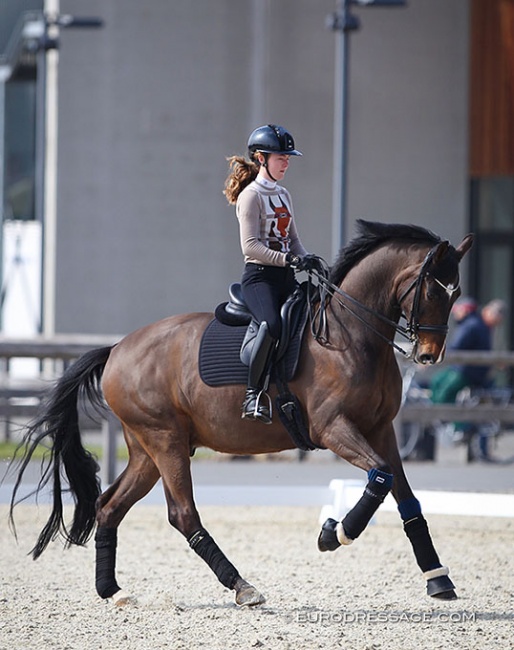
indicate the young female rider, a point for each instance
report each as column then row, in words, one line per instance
column 270, row 245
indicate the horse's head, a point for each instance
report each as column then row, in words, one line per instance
column 426, row 298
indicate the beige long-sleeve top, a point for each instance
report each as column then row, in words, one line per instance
column 266, row 224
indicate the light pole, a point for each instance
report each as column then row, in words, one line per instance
column 343, row 22
column 42, row 37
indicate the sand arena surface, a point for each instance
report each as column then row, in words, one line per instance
column 369, row 596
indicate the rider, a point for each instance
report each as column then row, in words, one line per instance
column 270, row 245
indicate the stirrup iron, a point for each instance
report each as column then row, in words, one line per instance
column 259, row 412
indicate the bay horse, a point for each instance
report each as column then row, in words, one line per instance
column 348, row 383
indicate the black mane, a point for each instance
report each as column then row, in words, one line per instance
column 371, row 234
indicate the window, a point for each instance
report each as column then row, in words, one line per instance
column 492, row 267
column 19, row 151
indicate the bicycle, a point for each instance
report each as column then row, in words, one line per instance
column 486, row 441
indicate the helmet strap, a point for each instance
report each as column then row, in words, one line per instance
column 265, row 165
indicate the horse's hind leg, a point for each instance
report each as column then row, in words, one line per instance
column 182, row 514
column 133, row 484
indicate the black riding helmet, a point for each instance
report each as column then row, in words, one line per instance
column 272, row 139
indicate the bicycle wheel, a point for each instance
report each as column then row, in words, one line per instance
column 491, row 444
column 408, row 439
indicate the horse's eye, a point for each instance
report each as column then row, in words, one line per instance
column 434, row 292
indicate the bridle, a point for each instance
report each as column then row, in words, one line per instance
column 413, row 325
column 411, row 331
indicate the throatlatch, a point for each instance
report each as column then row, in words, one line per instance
column 334, row 534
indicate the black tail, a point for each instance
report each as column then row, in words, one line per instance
column 58, row 424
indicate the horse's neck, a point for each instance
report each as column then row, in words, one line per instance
column 374, row 281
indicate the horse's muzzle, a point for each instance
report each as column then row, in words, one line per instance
column 430, row 358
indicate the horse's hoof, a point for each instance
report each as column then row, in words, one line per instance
column 446, row 595
column 442, row 588
column 247, row 595
column 122, row 598
column 327, row 540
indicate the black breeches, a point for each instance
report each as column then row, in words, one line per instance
column 265, row 289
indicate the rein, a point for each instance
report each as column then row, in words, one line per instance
column 410, row 332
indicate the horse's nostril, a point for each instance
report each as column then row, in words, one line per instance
column 427, row 359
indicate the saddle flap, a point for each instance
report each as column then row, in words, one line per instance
column 291, row 313
column 219, row 359
column 248, row 342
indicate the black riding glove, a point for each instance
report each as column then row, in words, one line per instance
column 310, row 262
column 305, row 263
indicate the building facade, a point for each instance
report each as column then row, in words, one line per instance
column 151, row 105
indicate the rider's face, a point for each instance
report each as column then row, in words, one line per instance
column 277, row 165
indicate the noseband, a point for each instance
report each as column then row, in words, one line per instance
column 410, row 332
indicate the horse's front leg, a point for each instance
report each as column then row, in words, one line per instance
column 415, row 526
column 183, row 515
column 345, row 440
column 385, row 472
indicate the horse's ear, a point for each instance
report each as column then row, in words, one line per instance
column 464, row 246
column 440, row 251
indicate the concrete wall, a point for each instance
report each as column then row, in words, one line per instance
column 409, row 103
column 151, row 105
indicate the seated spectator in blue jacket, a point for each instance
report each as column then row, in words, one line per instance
column 473, row 332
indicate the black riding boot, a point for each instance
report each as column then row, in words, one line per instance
column 257, row 403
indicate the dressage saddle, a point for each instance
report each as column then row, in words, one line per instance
column 236, row 313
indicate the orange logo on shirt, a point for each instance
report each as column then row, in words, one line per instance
column 279, row 229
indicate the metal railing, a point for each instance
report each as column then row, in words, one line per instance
column 427, row 412
column 20, row 397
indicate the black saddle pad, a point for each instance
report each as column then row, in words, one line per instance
column 219, row 361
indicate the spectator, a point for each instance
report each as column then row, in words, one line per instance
column 471, row 333
column 474, row 332
column 493, row 313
